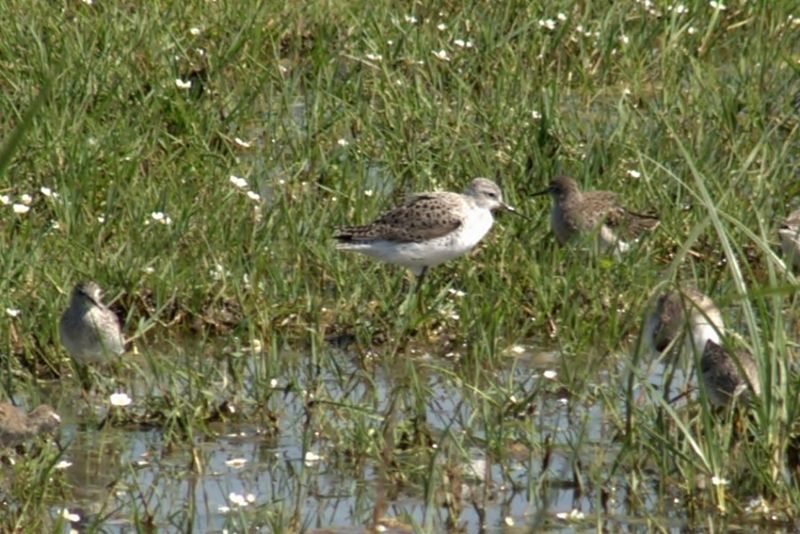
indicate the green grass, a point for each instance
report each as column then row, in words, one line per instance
column 347, row 108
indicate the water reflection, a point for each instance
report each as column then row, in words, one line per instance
column 243, row 475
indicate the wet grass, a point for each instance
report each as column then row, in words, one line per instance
column 242, row 311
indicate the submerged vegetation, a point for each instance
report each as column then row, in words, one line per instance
column 194, row 160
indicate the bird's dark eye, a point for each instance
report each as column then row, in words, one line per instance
column 492, row 194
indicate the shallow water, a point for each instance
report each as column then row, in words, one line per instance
column 244, row 475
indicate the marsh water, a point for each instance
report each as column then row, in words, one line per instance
column 268, row 472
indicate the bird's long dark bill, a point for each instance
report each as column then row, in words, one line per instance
column 512, row 209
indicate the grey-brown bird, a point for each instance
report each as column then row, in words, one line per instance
column 789, row 233
column 727, row 375
column 679, row 312
column 89, row 330
column 429, row 228
column 576, row 213
column 16, row 427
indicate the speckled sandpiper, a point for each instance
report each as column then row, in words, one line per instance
column 687, row 308
column 16, row 427
column 429, row 228
column 678, row 311
column 575, row 213
column 88, row 329
column 721, row 373
column 789, row 232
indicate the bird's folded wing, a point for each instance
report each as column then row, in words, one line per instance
column 422, row 217
column 628, row 224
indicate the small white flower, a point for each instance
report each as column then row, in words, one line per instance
column 101, row 219
column 441, row 26
column 148, row 270
column 12, row 312
column 692, row 30
column 241, row 183
column 223, row 509
column 46, row 191
column 218, row 272
column 624, row 39
column 161, row 217
column 26, row 199
column 719, row 481
column 195, row 31
column 5, row 199
column 120, row 399
column 20, row 208
column 548, row 24
column 242, row 143
column 55, row 225
column 273, row 383
column 250, row 498
column 535, row 115
column 411, row 19
column 180, row 84
column 633, row 173
column 757, row 505
column 441, row 54
column 562, row 17
column 680, row 9
column 342, row 142
column 237, row 499
column 252, row 195
column 63, row 464
column 72, row 518
column 550, row 374
column 311, row 458
column 509, row 521
column 236, row 463
column 450, row 314
column 88, row 2
column 719, row 6
column 572, row 515
column 368, row 192
column 374, row 57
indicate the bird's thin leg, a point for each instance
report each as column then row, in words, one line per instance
column 418, row 290
column 85, row 377
column 420, row 278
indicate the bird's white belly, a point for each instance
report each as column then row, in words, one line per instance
column 702, row 333
column 431, row 252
